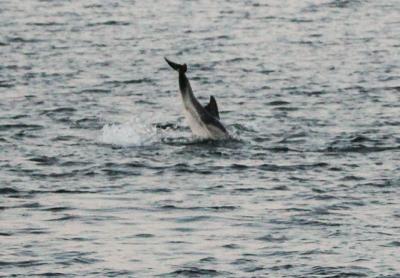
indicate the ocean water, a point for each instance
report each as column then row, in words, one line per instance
column 101, row 177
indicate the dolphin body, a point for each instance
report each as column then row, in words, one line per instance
column 203, row 121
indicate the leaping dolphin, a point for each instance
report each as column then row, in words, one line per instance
column 203, row 121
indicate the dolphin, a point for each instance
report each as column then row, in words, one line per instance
column 203, row 121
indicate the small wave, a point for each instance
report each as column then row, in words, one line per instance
column 109, row 22
column 196, row 272
column 278, row 103
column 94, row 91
column 22, row 40
column 5, row 84
column 144, row 235
column 187, row 219
column 392, row 244
column 50, row 274
column 87, row 123
column 5, row 234
column 28, row 263
column 65, row 218
column 66, row 191
column 278, row 168
column 130, row 81
column 156, row 190
column 211, row 208
column 231, row 246
column 44, row 160
column 271, row 238
column 347, row 271
column 281, row 267
column 52, row 23
column 360, row 148
column 8, row 190
column 56, row 209
column 20, row 126
column 66, row 110
column 32, row 231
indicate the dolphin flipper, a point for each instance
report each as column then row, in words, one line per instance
column 212, row 107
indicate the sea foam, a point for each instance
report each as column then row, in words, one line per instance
column 131, row 133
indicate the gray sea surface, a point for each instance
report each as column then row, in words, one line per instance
column 101, row 177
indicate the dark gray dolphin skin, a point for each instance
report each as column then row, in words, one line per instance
column 203, row 121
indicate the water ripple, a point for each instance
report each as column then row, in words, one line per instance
column 101, row 176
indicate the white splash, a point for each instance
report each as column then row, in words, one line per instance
column 131, row 133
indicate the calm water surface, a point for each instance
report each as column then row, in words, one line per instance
column 99, row 174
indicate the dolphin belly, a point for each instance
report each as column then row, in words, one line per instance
column 198, row 126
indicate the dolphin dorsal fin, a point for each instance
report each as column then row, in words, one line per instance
column 212, row 107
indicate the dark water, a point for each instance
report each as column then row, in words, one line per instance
column 99, row 173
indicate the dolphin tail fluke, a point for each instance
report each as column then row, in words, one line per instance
column 212, row 107
column 177, row 67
